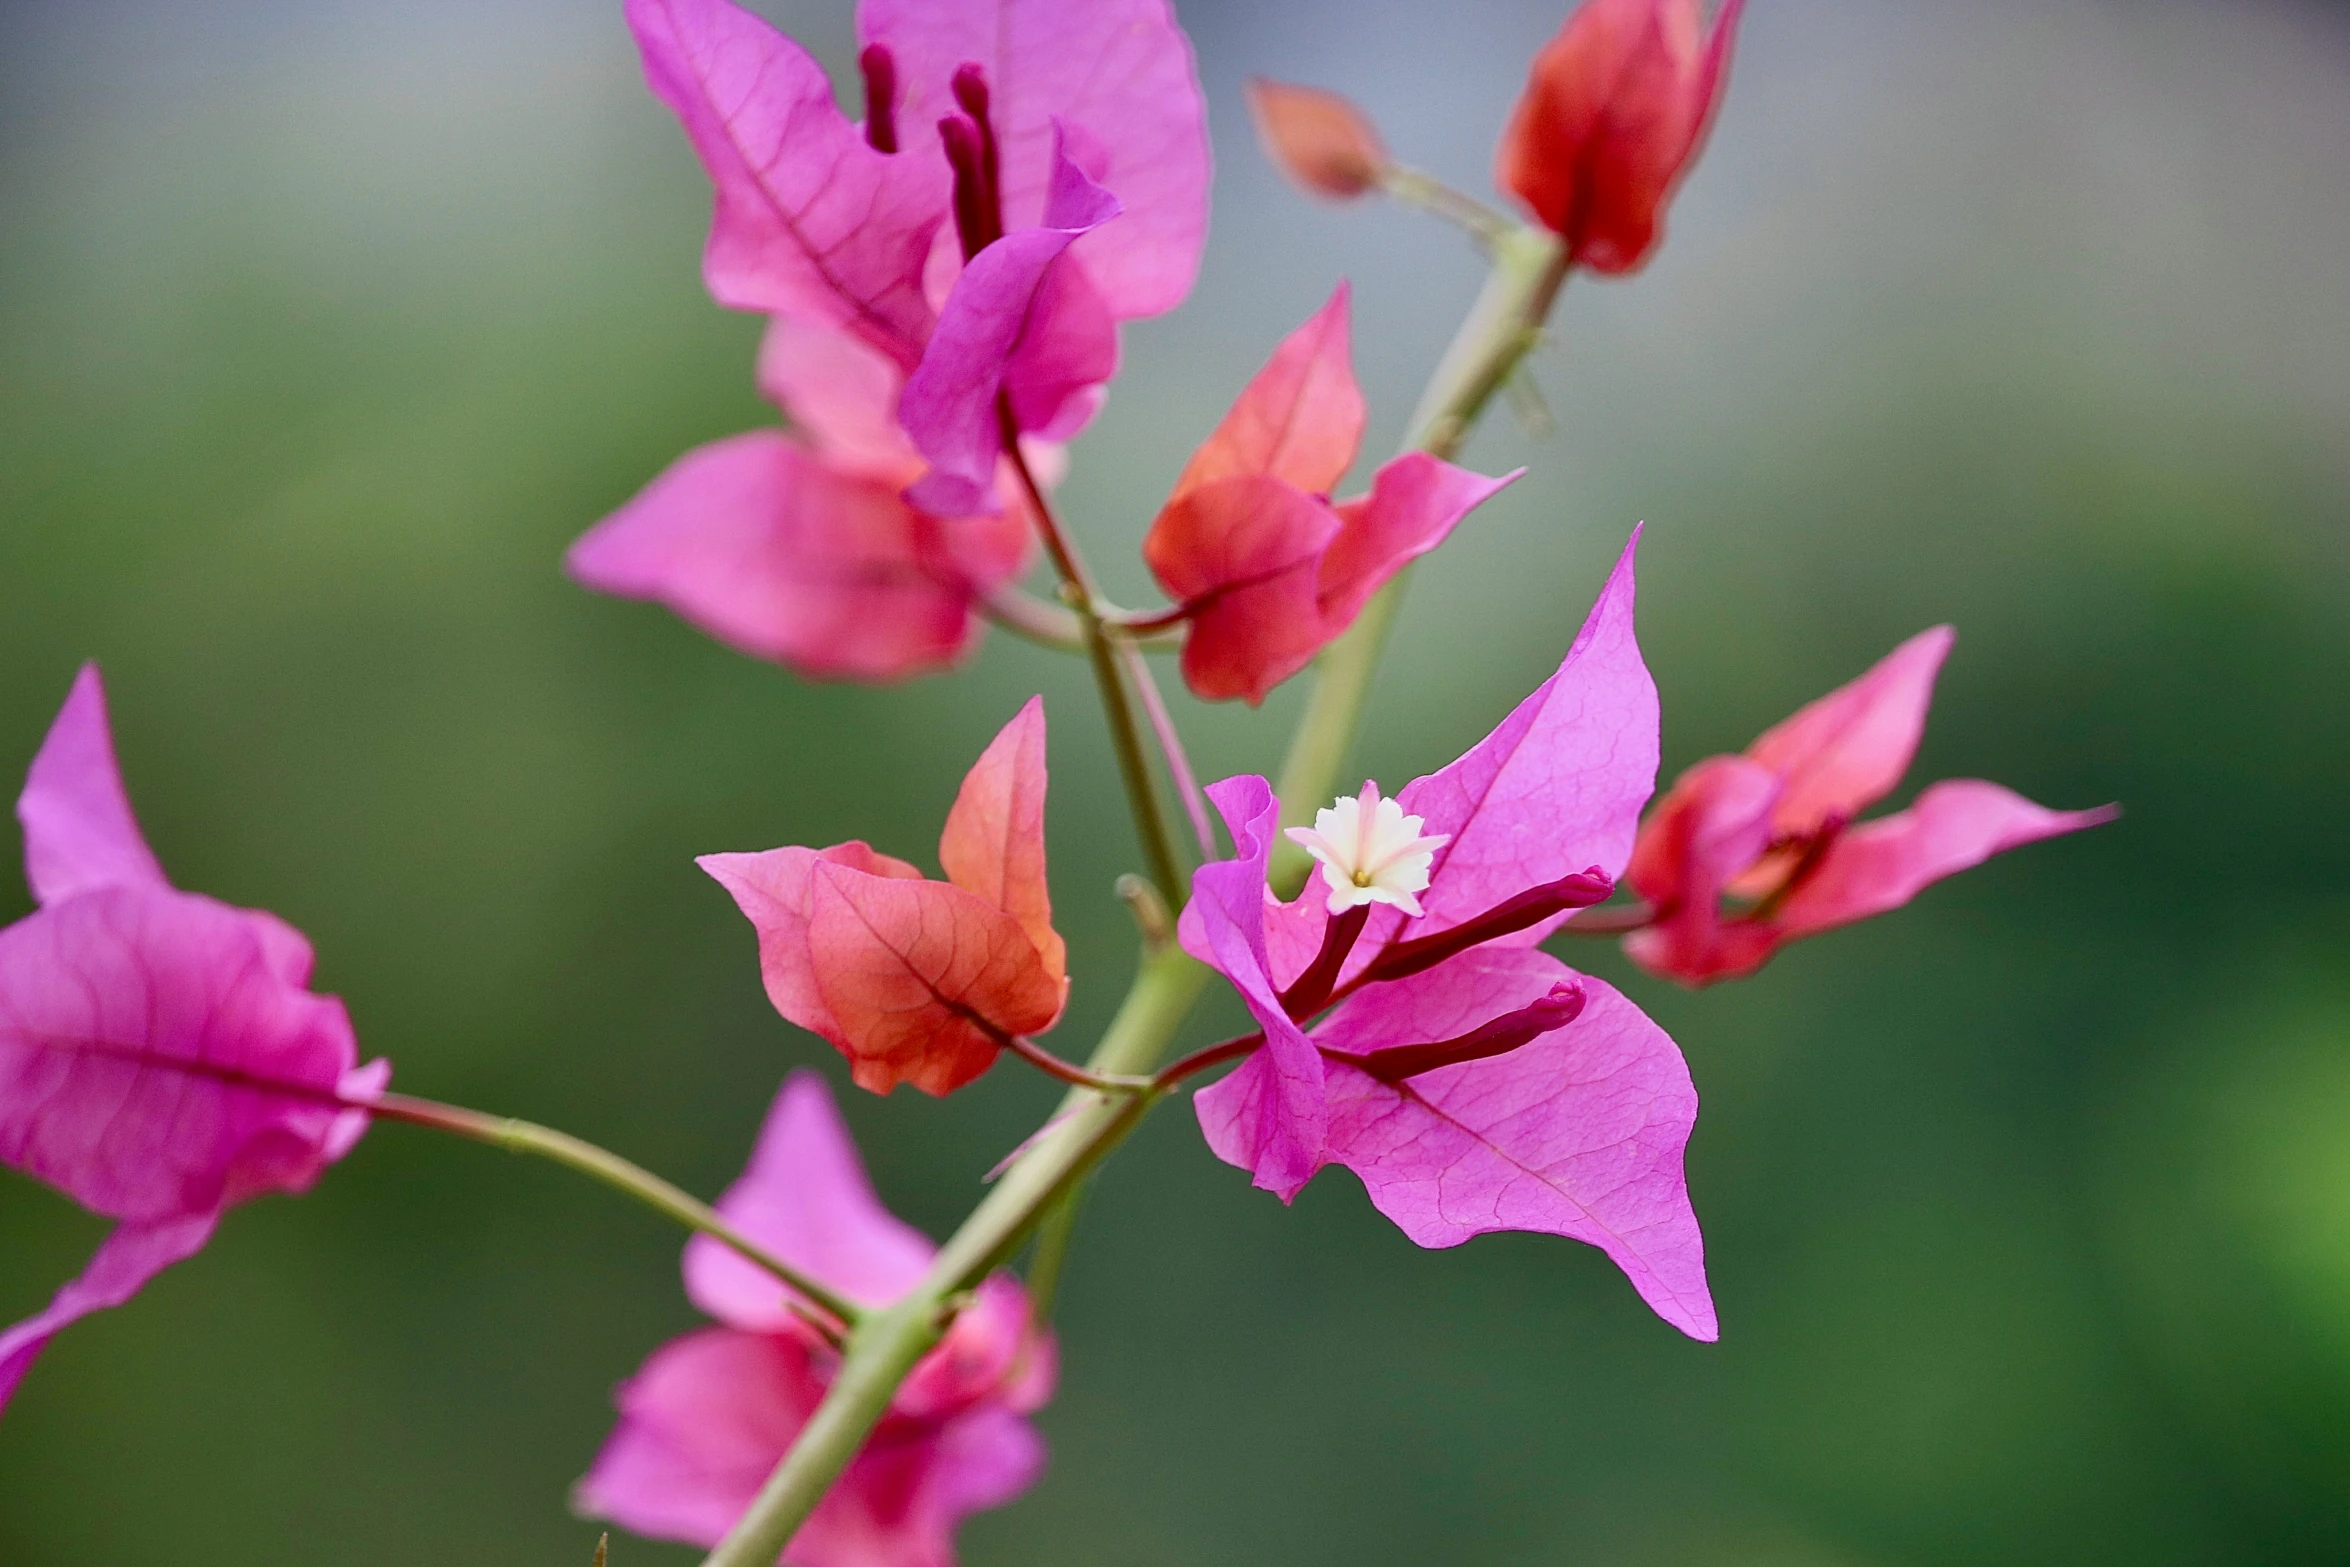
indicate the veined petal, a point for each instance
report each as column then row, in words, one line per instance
column 806, row 1198
column 993, row 844
column 1242, row 554
column 1414, row 503
column 911, row 970
column 778, row 555
column 1579, row 1133
column 775, row 891
column 1558, row 786
column 1003, row 325
column 1268, row 1117
column 1299, row 420
column 1121, row 72
column 809, row 221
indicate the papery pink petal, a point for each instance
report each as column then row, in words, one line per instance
column 805, row 1197
column 993, row 845
column 79, row 833
column 998, row 325
column 1242, row 554
column 1715, row 822
column 1415, row 501
column 922, row 978
column 1267, row 1117
column 773, row 889
column 1953, row 825
column 124, row 1263
column 841, row 396
column 1846, row 751
column 809, row 221
column 1557, row 787
column 776, row 554
column 710, row 1415
column 1059, row 372
column 701, row 1425
column 154, row 1065
column 1580, row 1133
column 1117, row 71
column 1299, row 420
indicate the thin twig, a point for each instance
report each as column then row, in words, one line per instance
column 1142, row 795
column 1171, row 750
column 1070, row 1072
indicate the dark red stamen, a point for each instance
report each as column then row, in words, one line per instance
column 880, row 70
column 973, row 211
column 1579, row 891
column 1311, row 991
column 1508, row 1032
column 970, row 89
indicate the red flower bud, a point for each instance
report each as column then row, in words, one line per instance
column 1616, row 106
column 1318, row 139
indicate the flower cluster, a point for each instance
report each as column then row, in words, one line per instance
column 944, row 282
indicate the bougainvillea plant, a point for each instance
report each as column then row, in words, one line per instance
column 944, row 281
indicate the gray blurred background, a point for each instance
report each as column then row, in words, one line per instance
column 325, row 326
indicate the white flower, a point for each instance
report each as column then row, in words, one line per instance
column 1370, row 852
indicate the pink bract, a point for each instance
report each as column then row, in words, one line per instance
column 711, row 1413
column 160, row 1056
column 1472, row 1083
column 1774, row 830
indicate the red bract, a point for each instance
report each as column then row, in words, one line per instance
column 1265, row 567
column 710, row 1414
column 1317, row 138
column 1473, row 1083
column 160, row 1056
column 1773, row 829
column 918, row 981
column 1616, row 106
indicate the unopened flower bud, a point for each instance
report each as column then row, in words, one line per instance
column 1318, row 139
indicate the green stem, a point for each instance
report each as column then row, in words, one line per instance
column 1142, row 792
column 887, row 1343
column 1529, row 267
column 601, row 1164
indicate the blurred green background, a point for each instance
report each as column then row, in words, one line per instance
column 325, row 326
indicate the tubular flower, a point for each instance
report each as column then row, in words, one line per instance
column 918, row 981
column 1774, row 831
column 161, row 1058
column 1471, row 1082
column 711, row 1413
column 1265, row 567
column 1616, row 107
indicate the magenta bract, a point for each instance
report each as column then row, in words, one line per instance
column 1471, row 1082
column 710, row 1414
column 160, row 1056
